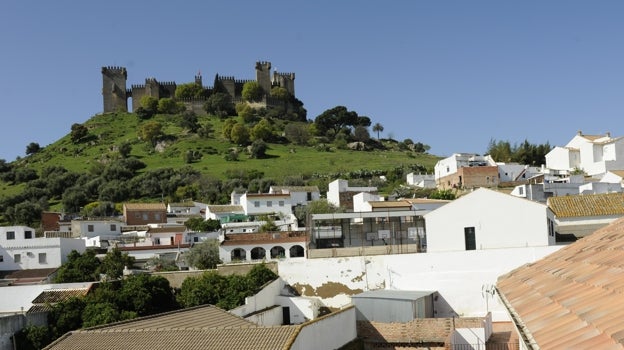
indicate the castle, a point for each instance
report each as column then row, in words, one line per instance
column 115, row 94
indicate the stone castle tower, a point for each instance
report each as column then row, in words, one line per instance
column 114, row 89
column 115, row 94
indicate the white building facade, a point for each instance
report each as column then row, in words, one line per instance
column 21, row 250
column 487, row 219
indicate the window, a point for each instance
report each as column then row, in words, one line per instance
column 28, row 234
column 144, row 216
column 157, row 216
column 309, row 196
column 90, row 228
column 269, row 203
column 10, row 235
column 17, row 258
column 521, row 191
column 43, row 259
column 281, row 203
column 195, row 239
column 113, row 227
column 1, row 258
column 469, row 237
column 257, row 204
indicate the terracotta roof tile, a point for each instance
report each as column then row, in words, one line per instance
column 573, row 298
column 225, row 208
column 587, row 205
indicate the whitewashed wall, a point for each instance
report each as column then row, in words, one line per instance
column 331, row 332
column 460, row 278
column 500, row 221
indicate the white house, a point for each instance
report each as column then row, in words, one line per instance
column 266, row 204
column 487, row 219
column 94, row 228
column 299, row 195
column 593, row 154
column 21, row 250
column 512, row 172
column 451, row 165
column 186, row 208
column 421, row 180
column 221, row 212
column 362, row 199
column 263, row 246
column 339, row 193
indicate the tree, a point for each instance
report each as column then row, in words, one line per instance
column 239, row 134
column 114, row 263
column 252, row 91
column 361, row 134
column 125, row 148
column 146, row 294
column 258, row 149
column 262, row 131
column 78, row 132
column 149, row 104
column 246, row 112
column 338, row 118
column 190, row 91
column 226, row 129
column 297, row 133
column 32, row 148
column 170, row 106
column 378, row 128
column 79, row 268
column 189, row 121
column 219, row 104
column 150, row 131
column 204, row 255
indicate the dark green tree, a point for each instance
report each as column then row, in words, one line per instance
column 258, row 149
column 114, row 263
column 78, row 132
column 378, row 128
column 189, row 121
column 190, row 91
column 201, row 225
column 79, row 268
column 219, row 104
column 332, row 121
column 252, row 91
column 239, row 134
column 150, row 131
column 32, row 148
column 204, row 255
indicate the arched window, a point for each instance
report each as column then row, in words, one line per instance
column 258, row 253
column 297, row 251
column 278, row 252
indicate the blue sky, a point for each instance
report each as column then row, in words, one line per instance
column 451, row 74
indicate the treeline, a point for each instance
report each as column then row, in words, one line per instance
column 525, row 153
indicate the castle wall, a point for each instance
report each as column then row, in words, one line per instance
column 263, row 76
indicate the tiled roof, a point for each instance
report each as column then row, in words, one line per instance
column 225, row 208
column 204, row 327
column 619, row 173
column 389, row 204
column 426, row 200
column 269, row 195
column 166, row 229
column 587, row 205
column 573, row 298
column 296, row 188
column 145, row 206
column 58, row 295
column 182, row 205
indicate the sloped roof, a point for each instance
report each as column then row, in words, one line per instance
column 619, row 173
column 183, row 205
column 390, row 204
column 58, row 295
column 573, row 298
column 587, row 205
column 145, row 206
column 225, row 208
column 203, row 327
column 296, row 188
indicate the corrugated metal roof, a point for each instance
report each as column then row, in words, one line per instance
column 573, row 298
column 587, row 205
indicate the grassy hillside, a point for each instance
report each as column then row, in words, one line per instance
column 108, row 131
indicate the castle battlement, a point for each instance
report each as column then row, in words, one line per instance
column 116, row 94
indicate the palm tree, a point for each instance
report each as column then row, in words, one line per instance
column 378, row 128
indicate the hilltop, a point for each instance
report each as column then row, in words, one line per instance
column 113, row 141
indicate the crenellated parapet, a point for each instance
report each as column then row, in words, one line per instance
column 115, row 93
